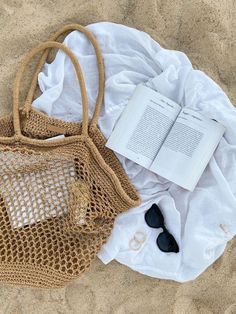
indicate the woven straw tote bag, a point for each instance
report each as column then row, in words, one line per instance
column 58, row 199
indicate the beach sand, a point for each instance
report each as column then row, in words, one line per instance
column 206, row 31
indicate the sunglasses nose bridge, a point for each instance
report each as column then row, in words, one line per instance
column 164, row 228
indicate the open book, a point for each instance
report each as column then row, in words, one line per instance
column 158, row 134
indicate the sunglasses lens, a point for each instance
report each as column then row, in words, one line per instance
column 166, row 243
column 154, row 218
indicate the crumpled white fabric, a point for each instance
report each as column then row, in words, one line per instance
column 201, row 221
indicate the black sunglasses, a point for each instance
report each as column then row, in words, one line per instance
column 165, row 241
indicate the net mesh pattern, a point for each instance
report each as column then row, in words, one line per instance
column 34, row 187
column 57, row 205
column 37, row 126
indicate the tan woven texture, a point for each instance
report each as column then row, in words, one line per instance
column 58, row 199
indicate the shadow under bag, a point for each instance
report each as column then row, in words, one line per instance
column 58, row 198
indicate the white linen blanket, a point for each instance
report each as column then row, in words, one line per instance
column 201, row 221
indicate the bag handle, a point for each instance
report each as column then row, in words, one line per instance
column 19, row 76
column 91, row 37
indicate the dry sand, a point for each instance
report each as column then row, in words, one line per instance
column 206, row 31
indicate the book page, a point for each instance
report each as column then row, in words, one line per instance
column 188, row 148
column 143, row 126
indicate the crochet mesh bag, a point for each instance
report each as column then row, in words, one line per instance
column 58, row 198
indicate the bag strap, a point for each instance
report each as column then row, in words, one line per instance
column 91, row 37
column 19, row 76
